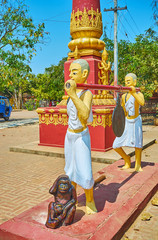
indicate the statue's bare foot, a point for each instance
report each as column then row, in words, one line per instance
column 90, row 207
column 126, row 166
column 138, row 169
column 127, row 163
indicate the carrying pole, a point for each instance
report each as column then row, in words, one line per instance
column 116, row 88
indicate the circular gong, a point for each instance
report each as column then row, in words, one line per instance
column 118, row 119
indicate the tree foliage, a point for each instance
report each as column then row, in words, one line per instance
column 18, row 34
column 140, row 57
column 155, row 10
column 18, row 40
column 50, row 85
column 15, row 82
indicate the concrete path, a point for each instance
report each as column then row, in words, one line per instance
column 20, row 118
column 16, row 123
column 103, row 157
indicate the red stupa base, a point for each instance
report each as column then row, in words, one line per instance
column 54, row 136
column 53, row 127
column 51, row 135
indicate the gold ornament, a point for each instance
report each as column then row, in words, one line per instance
column 86, row 24
column 103, row 74
column 54, row 119
column 86, row 29
column 101, row 120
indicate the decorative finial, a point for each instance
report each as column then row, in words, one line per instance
column 76, row 53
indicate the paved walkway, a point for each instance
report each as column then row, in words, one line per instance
column 25, row 179
column 23, row 114
column 144, row 229
column 17, row 123
column 19, row 118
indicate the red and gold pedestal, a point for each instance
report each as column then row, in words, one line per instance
column 86, row 30
column 53, row 123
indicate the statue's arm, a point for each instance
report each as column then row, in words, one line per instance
column 139, row 97
column 68, row 205
column 83, row 106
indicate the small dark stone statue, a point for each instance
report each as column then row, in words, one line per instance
column 62, row 211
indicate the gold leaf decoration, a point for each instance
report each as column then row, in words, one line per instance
column 102, row 120
column 86, row 19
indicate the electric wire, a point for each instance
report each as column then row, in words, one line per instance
column 126, row 32
column 134, row 21
column 112, row 23
column 130, row 25
column 123, row 32
column 120, row 27
column 58, row 21
column 58, row 15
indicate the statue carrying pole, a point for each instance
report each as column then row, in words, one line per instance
column 101, row 87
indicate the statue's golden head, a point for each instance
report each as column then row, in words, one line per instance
column 79, row 70
column 130, row 79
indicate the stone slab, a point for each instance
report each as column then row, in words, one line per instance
column 119, row 200
column 103, row 157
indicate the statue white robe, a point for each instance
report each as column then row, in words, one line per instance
column 132, row 135
column 78, row 149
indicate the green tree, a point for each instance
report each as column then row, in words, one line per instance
column 155, row 10
column 50, row 85
column 15, row 82
column 141, row 58
column 18, row 43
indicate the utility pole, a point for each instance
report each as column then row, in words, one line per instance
column 115, row 9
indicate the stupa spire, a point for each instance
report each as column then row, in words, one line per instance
column 86, row 28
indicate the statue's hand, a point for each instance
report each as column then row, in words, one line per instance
column 133, row 90
column 70, row 87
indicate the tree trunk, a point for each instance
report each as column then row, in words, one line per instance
column 20, row 99
column 15, row 99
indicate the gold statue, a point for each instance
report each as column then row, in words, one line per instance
column 77, row 141
column 104, row 70
column 132, row 135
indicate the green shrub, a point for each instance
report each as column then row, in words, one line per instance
column 30, row 104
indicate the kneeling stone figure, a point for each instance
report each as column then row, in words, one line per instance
column 62, row 211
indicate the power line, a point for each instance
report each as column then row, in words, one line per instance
column 125, row 30
column 120, row 29
column 112, row 23
column 57, row 21
column 134, row 22
column 129, row 25
column 58, row 15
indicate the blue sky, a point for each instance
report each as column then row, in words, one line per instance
column 56, row 16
